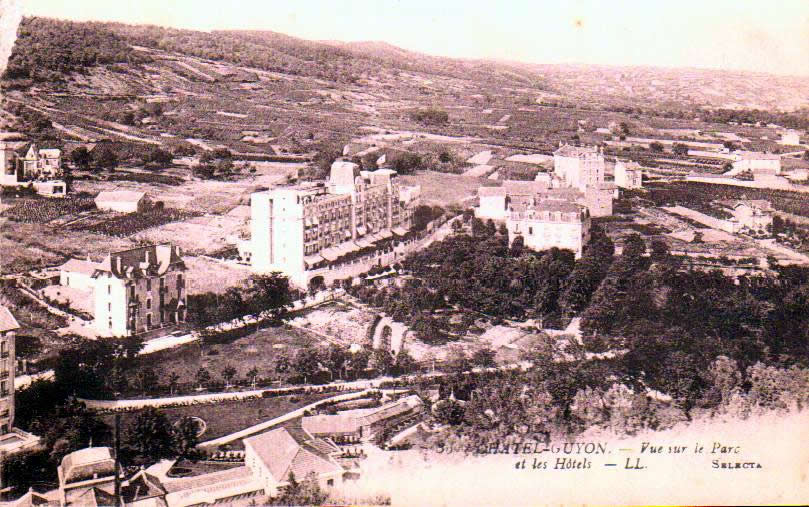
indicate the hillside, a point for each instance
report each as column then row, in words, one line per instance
column 264, row 93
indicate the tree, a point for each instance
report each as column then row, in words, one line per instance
column 253, row 375
column 383, row 361
column 185, row 436
column 203, row 377
column 81, row 157
column 335, row 358
column 269, row 293
column 104, row 157
column 484, row 358
column 158, row 156
column 491, row 229
column 457, row 226
column 147, row 380
column 227, row 374
column 660, row 250
column 306, row 363
column 404, row 363
column 174, row 379
column 307, row 492
column 151, row 437
column 449, row 412
column 679, row 149
column 656, row 146
column 517, row 245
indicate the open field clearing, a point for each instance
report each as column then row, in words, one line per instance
column 209, row 275
column 225, row 418
column 442, row 188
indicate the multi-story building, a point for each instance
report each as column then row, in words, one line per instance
column 298, row 229
column 36, row 165
column 579, row 166
column 628, row 174
column 10, row 174
column 140, row 289
column 8, row 328
column 551, row 223
column 42, row 163
column 790, row 138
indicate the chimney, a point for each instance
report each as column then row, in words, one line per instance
column 147, row 256
column 118, row 263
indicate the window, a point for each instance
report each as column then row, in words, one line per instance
column 149, row 304
column 4, row 388
column 132, row 292
column 530, row 230
column 109, row 289
column 148, row 284
column 179, row 281
column 330, row 482
column 109, row 307
column 149, row 320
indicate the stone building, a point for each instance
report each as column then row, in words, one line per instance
column 628, row 174
column 140, row 289
column 551, row 223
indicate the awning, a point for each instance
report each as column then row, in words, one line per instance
column 349, row 247
column 399, row 231
column 329, row 254
column 385, row 234
column 363, row 242
column 361, row 230
column 311, row 260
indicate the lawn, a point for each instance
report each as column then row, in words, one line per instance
column 443, row 188
column 258, row 350
column 225, row 418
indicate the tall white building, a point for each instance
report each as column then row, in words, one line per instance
column 300, row 229
column 551, row 223
column 628, row 174
column 580, row 167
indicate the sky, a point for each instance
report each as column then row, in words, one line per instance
column 762, row 35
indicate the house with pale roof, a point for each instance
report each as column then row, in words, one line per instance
column 275, row 455
column 78, row 274
column 757, row 163
column 122, row 201
column 87, row 477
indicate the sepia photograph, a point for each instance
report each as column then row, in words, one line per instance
column 409, row 253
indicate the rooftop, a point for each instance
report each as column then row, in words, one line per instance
column 283, row 455
column 120, row 196
column 150, row 260
column 567, row 150
column 756, row 155
column 80, row 266
column 7, row 320
column 85, row 463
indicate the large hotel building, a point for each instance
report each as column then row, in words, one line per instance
column 303, row 230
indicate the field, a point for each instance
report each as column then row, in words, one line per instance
column 225, row 418
column 259, row 350
column 443, row 189
column 128, row 224
column 208, row 275
column 41, row 211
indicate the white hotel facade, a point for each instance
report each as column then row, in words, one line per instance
column 302, row 230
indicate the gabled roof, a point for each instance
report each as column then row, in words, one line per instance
column 151, row 260
column 50, row 153
column 491, row 192
column 330, row 424
column 7, row 320
column 756, row 155
column 80, row 266
column 391, row 409
column 282, row 454
column 120, row 196
column 524, row 187
column 88, row 461
column 567, row 150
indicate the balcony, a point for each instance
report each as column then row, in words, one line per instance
column 4, row 354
